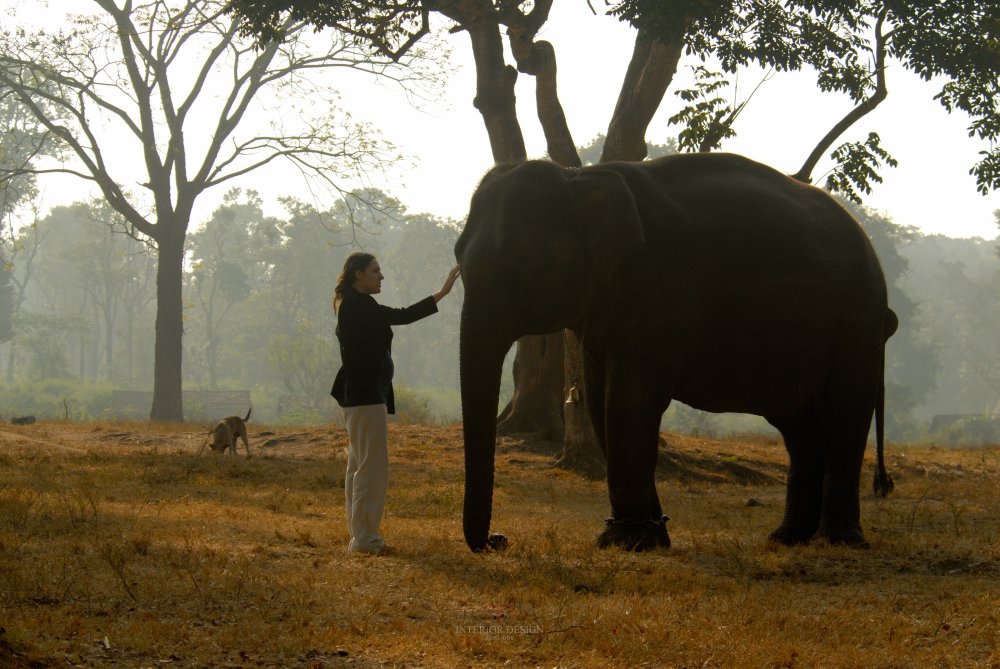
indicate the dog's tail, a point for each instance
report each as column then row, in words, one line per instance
column 249, row 411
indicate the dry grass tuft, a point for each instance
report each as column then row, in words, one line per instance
column 121, row 544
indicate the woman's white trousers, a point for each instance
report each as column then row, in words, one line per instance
column 367, row 479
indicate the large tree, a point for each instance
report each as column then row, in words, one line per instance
column 847, row 45
column 173, row 83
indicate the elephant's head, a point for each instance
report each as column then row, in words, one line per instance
column 539, row 242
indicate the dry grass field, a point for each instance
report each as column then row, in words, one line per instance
column 123, row 546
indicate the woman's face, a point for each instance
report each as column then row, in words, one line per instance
column 369, row 281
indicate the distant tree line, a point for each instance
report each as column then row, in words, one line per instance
column 257, row 303
column 257, row 312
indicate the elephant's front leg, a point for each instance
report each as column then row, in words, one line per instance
column 629, row 420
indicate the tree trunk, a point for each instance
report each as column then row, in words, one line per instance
column 541, row 379
column 536, row 406
column 81, row 355
column 538, row 59
column 210, row 354
column 646, row 80
column 169, row 326
column 495, row 98
column 581, row 450
column 129, row 349
column 109, row 325
column 11, row 359
column 649, row 74
column 95, row 346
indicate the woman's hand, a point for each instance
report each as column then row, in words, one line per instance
column 449, row 281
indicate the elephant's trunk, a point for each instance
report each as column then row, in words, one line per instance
column 481, row 356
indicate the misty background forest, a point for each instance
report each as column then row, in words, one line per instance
column 159, row 103
column 257, row 315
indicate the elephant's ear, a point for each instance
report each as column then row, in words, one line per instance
column 608, row 216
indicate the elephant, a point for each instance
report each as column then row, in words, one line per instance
column 709, row 279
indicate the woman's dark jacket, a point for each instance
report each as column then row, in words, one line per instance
column 366, row 348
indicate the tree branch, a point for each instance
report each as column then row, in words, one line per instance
column 865, row 107
column 495, row 79
column 538, row 59
column 649, row 73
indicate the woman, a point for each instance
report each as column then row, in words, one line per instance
column 364, row 389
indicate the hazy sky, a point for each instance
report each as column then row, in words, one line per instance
column 931, row 188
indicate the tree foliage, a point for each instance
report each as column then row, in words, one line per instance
column 20, row 143
column 848, row 45
column 857, row 167
column 391, row 27
column 708, row 119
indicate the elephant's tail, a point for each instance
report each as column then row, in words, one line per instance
column 882, row 485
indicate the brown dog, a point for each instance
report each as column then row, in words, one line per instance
column 227, row 430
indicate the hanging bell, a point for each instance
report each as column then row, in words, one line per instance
column 573, row 396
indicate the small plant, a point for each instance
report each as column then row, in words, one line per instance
column 21, row 510
column 117, row 556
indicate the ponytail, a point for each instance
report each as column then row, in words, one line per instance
column 356, row 262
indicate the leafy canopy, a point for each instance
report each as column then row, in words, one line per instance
column 956, row 42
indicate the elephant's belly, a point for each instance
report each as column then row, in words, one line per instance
column 757, row 395
column 762, row 371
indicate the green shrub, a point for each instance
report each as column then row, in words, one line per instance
column 412, row 406
column 303, row 416
column 973, row 431
column 55, row 399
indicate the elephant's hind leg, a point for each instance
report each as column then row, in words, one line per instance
column 845, row 420
column 840, row 522
column 804, row 486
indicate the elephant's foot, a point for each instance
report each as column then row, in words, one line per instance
column 496, row 542
column 789, row 535
column 792, row 536
column 844, row 535
column 635, row 535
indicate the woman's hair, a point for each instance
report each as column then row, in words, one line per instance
column 356, row 262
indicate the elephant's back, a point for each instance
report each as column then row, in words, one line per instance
column 744, row 240
column 745, row 214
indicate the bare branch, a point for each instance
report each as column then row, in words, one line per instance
column 136, row 87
